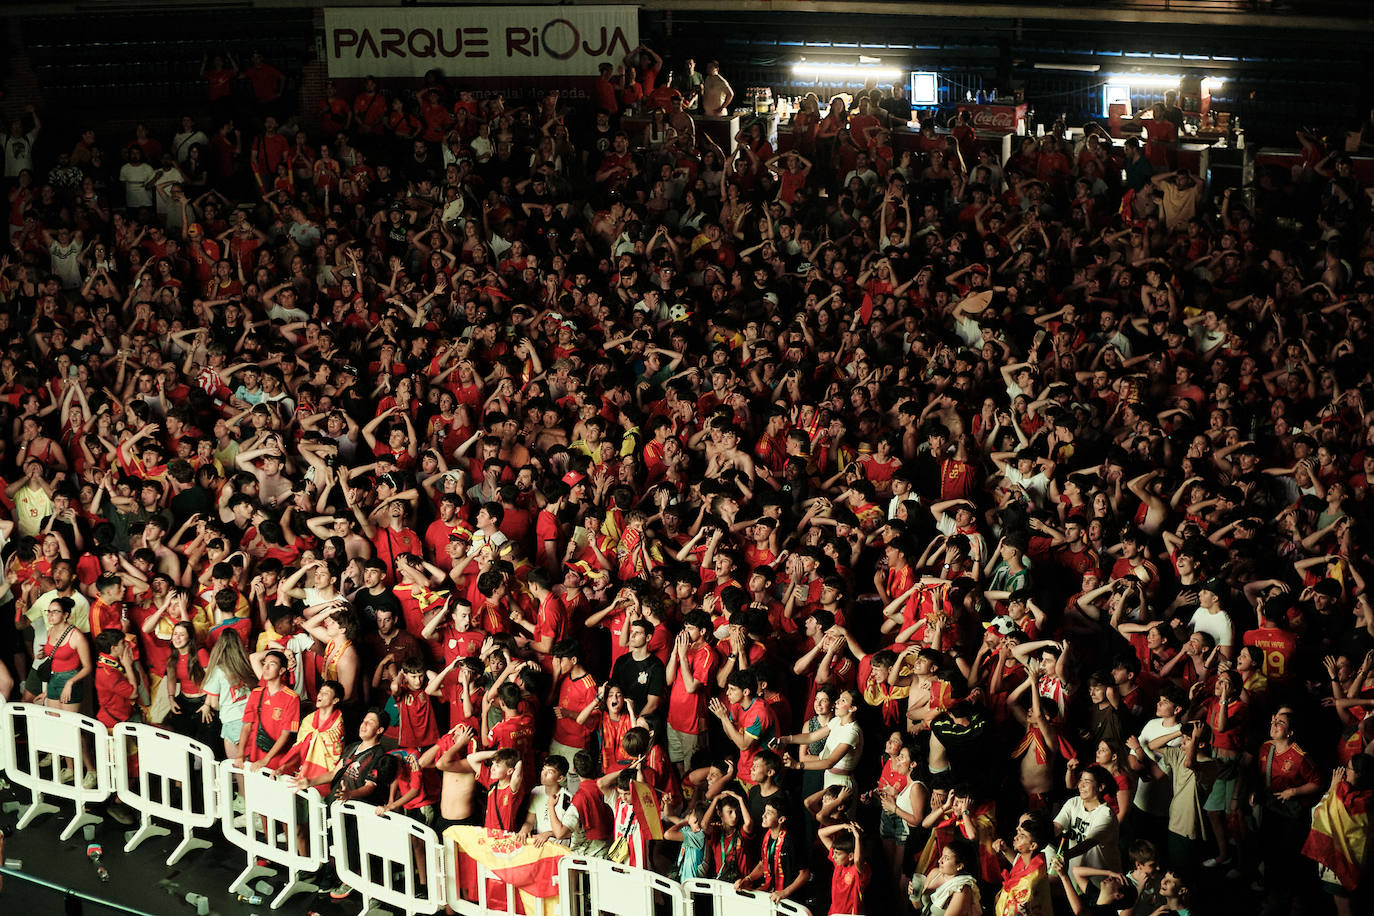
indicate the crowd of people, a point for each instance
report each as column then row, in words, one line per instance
column 923, row 529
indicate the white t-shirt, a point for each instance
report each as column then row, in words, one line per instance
column 1036, row 485
column 134, row 177
column 19, row 154
column 1152, row 795
column 1216, row 625
column 64, row 263
column 539, row 805
column 233, row 701
column 1099, row 825
column 851, row 735
column 38, row 614
column 182, row 143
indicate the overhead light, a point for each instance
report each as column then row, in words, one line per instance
column 1073, row 68
column 855, row 72
column 1143, row 81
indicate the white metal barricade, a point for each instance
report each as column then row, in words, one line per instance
column 381, row 866
column 6, row 739
column 597, row 887
column 175, row 781
column 273, row 801
column 58, row 734
column 726, row 901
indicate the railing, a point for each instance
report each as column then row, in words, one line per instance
column 68, row 900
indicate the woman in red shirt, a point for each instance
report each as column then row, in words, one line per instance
column 69, row 656
column 185, row 671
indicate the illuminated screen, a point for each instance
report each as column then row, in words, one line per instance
column 924, row 88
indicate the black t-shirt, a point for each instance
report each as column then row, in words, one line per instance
column 640, row 680
column 779, row 855
column 369, row 604
column 362, row 766
column 188, row 502
column 598, row 144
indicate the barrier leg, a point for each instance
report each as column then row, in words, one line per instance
column 35, row 809
column 297, row 884
column 189, row 843
column 82, row 819
column 243, row 883
column 146, row 831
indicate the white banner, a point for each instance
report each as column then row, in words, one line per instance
column 478, row 41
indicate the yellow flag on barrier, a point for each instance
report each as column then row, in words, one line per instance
column 532, row 870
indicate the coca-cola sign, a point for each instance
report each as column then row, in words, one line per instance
column 1000, row 118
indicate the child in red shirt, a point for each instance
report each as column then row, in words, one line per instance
column 852, row 874
column 419, row 728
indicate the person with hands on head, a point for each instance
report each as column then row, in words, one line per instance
column 690, row 672
column 728, row 823
column 849, row 881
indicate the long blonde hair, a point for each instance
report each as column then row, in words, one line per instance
column 229, row 656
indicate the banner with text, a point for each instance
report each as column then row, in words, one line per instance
column 478, row 41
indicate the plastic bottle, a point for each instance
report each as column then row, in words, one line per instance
column 251, row 900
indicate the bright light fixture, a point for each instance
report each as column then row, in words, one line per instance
column 1143, row 81
column 1071, row 68
column 854, row 72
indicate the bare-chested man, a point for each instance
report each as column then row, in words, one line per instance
column 716, row 94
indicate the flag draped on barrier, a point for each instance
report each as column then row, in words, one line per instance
column 532, row 870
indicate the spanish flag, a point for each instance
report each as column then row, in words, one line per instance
column 1340, row 833
column 532, row 870
column 1025, row 889
column 645, row 800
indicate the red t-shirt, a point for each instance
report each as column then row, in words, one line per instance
column 503, row 808
column 573, row 696
column 1290, row 769
column 516, row 733
column 419, row 729
column 189, row 686
column 113, row 692
column 264, row 78
column 1278, row 647
column 218, row 83
column 687, row 711
column 847, row 887
column 593, row 813
column 387, row 543
column 278, row 713
column 758, row 721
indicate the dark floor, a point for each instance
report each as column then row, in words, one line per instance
column 139, row 880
